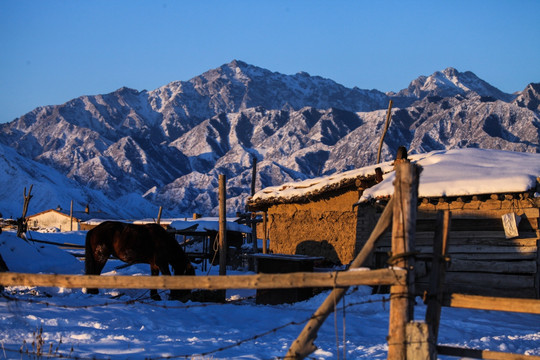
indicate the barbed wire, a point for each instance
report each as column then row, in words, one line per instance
column 139, row 300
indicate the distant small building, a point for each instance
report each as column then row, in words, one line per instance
column 61, row 219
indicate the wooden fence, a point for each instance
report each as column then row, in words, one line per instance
column 258, row 281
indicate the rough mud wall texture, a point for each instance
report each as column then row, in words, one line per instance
column 326, row 227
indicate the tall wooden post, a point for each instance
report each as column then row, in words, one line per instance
column 403, row 230
column 265, row 224
column 253, row 176
column 253, row 223
column 159, row 215
column 71, row 216
column 222, row 226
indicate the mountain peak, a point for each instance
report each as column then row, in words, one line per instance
column 238, row 63
column 450, row 72
column 530, row 97
column 450, row 82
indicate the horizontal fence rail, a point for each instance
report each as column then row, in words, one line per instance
column 482, row 354
column 259, row 281
column 530, row 306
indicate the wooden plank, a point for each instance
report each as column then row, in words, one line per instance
column 458, row 238
column 482, row 354
column 511, row 267
column 471, row 213
column 500, row 281
column 498, row 256
column 259, row 281
column 470, row 249
column 530, row 306
column 479, row 289
column 526, row 238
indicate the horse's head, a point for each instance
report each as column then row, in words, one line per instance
column 184, row 269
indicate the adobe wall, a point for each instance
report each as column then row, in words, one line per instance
column 52, row 219
column 325, row 227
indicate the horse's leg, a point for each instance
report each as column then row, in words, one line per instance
column 154, row 270
column 95, row 260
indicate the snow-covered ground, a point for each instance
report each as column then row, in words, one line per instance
column 126, row 324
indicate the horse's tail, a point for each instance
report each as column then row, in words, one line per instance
column 89, row 261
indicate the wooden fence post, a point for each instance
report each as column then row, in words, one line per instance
column 403, row 230
column 222, row 226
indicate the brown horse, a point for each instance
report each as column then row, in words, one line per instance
column 148, row 243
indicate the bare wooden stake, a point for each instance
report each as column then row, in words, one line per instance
column 21, row 222
column 222, row 226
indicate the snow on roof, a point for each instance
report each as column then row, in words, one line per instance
column 292, row 190
column 456, row 172
column 463, row 172
column 209, row 224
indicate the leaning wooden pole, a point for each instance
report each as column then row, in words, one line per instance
column 403, row 230
column 222, row 226
column 303, row 345
column 386, row 125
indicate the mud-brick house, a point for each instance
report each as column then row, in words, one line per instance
column 64, row 220
column 494, row 200
column 334, row 216
column 315, row 217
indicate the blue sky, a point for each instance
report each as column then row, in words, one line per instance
column 54, row 51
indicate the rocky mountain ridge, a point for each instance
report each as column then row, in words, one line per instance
column 169, row 145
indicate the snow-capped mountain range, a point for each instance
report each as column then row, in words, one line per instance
column 166, row 147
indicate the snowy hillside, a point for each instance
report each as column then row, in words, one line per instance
column 170, row 144
column 52, row 189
